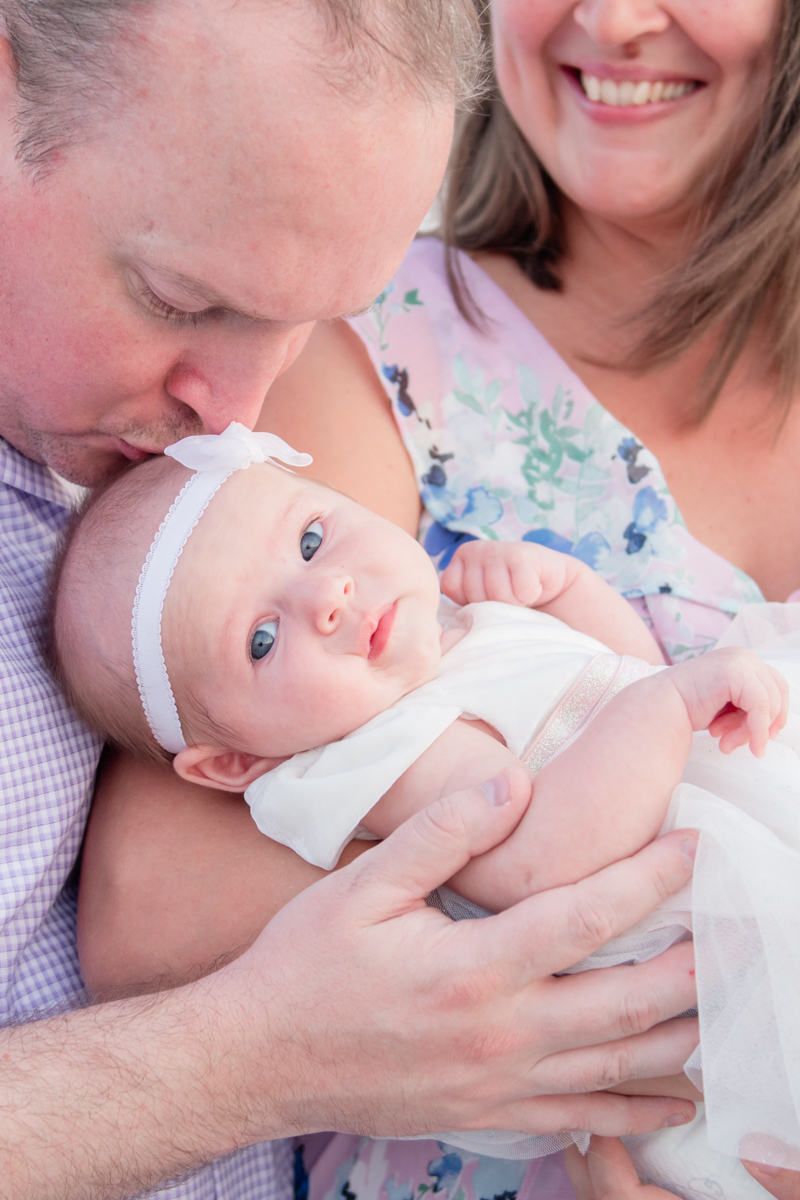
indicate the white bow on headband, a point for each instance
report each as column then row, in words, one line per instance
column 214, row 458
column 238, row 447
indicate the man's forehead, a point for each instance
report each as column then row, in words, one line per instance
column 253, row 183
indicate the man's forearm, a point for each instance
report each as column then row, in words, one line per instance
column 327, row 1022
column 109, row 1100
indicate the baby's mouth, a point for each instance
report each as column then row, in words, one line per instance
column 380, row 637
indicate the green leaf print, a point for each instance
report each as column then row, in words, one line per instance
column 475, row 394
column 384, row 309
column 558, row 454
column 469, row 400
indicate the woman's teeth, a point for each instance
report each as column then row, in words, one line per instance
column 627, row 93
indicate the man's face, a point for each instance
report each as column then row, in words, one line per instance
column 159, row 278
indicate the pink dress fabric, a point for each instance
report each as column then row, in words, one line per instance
column 351, row 1166
column 508, row 443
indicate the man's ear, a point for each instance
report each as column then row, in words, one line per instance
column 227, row 770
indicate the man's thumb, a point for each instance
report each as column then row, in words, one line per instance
column 437, row 842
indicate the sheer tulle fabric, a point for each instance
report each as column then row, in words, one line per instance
column 744, row 912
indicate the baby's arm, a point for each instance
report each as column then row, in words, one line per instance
column 534, row 576
column 607, row 794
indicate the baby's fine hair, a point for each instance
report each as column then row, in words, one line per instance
column 97, row 563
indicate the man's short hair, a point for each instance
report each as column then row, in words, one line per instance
column 67, row 54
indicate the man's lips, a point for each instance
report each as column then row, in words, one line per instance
column 382, row 630
column 134, row 453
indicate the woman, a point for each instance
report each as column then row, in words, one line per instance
column 605, row 363
column 636, row 245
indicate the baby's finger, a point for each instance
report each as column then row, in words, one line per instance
column 472, row 581
column 497, row 582
column 782, row 714
column 754, row 698
column 451, row 582
column 526, row 581
column 766, row 697
column 731, row 729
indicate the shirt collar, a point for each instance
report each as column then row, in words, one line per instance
column 22, row 473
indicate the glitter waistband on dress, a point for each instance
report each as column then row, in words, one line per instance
column 605, row 676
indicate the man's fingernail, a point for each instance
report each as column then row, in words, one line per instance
column 676, row 1119
column 496, row 790
column 688, row 851
column 764, row 1168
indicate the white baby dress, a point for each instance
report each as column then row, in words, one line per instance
column 539, row 683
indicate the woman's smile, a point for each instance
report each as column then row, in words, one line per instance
column 615, row 94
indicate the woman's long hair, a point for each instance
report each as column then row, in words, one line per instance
column 744, row 261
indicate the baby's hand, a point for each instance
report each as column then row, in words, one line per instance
column 513, row 572
column 735, row 696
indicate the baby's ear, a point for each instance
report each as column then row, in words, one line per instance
column 227, row 770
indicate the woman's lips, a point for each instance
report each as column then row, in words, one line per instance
column 625, row 100
column 380, row 637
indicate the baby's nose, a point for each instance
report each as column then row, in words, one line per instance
column 331, row 602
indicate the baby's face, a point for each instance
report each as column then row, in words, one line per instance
column 295, row 615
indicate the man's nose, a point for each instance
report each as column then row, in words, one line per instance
column 329, row 600
column 616, row 22
column 225, row 376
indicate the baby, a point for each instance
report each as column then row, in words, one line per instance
column 288, row 644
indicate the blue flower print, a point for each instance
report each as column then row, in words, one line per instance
column 628, row 450
column 445, row 1171
column 481, row 509
column 591, row 549
column 546, row 537
column 399, row 1191
column 649, row 510
column 435, row 477
column 440, row 540
column 399, row 376
column 634, row 539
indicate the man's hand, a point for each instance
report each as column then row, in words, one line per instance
column 394, row 1020
column 513, row 572
column 735, row 696
column 359, row 1008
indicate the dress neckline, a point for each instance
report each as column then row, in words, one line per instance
column 516, row 317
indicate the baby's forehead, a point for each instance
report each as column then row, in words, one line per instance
column 260, row 505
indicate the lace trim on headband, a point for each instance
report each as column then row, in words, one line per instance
column 135, row 614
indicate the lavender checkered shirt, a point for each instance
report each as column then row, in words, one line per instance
column 48, row 765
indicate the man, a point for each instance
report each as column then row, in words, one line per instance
column 186, row 186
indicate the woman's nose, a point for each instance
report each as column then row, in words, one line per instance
column 329, row 600
column 617, row 22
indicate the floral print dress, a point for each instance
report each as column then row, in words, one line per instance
column 508, row 443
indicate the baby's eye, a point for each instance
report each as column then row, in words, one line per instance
column 311, row 540
column 263, row 640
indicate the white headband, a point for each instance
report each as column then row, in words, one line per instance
column 214, row 457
